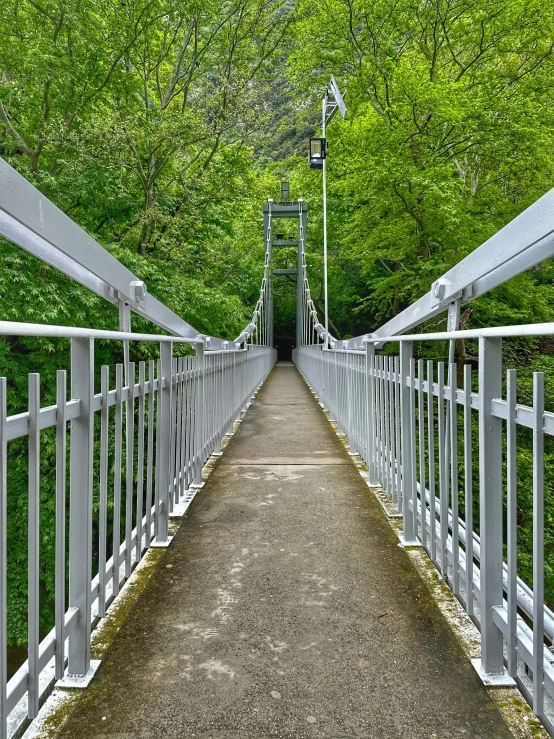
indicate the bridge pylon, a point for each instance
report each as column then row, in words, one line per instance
column 290, row 210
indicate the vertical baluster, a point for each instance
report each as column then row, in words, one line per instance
column 360, row 407
column 172, row 439
column 188, row 424
column 162, row 452
column 80, row 505
column 149, row 452
column 222, row 401
column 189, row 420
column 140, row 461
column 407, row 431
column 538, row 543
column 382, row 385
column 392, row 448
column 390, row 391
column 431, row 459
column 129, row 465
column 199, row 414
column 370, row 400
column 213, row 417
column 3, row 562
column 393, row 438
column 353, row 406
column 217, row 403
column 398, row 476
column 59, row 567
column 186, row 432
column 360, row 403
column 413, row 443
column 421, row 430
column 179, row 432
column 379, row 447
column 511, row 515
column 340, row 419
column 491, row 513
column 179, row 428
column 468, row 483
column 386, row 455
column 193, row 412
column 454, row 481
column 33, row 545
column 103, row 512
column 157, row 443
column 208, row 399
column 443, row 486
column 116, row 536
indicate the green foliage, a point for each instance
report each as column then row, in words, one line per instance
column 161, row 127
column 448, row 137
column 139, row 120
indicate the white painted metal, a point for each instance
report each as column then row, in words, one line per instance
column 175, row 418
column 516, row 625
column 523, row 243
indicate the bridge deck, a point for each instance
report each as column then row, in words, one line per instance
column 285, row 608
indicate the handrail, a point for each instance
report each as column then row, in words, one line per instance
column 148, row 441
column 43, row 330
column 523, row 330
column 402, row 417
column 32, row 221
column 523, row 243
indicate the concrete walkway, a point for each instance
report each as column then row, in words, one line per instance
column 285, row 608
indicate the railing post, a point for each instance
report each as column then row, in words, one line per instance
column 199, row 416
column 370, row 405
column 80, row 669
column 407, row 441
column 162, row 453
column 3, row 559
column 491, row 665
column 351, row 403
column 322, row 382
column 243, row 380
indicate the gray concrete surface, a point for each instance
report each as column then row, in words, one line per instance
column 285, row 608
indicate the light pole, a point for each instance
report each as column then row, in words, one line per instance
column 332, row 100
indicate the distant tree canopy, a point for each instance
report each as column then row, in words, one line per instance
column 162, row 126
column 449, row 136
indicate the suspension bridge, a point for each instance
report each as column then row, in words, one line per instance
column 276, row 596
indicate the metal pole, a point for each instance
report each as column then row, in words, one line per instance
column 162, row 453
column 491, row 504
column 324, row 114
column 407, row 431
column 80, row 505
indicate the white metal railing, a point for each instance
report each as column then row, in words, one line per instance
column 448, row 456
column 396, row 413
column 135, row 436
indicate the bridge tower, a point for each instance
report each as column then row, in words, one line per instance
column 298, row 211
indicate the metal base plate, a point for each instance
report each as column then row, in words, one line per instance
column 181, row 508
column 79, row 681
column 217, row 454
column 502, row 680
column 161, row 544
column 404, row 544
column 198, row 485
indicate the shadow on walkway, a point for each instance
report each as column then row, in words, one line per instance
column 285, row 608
